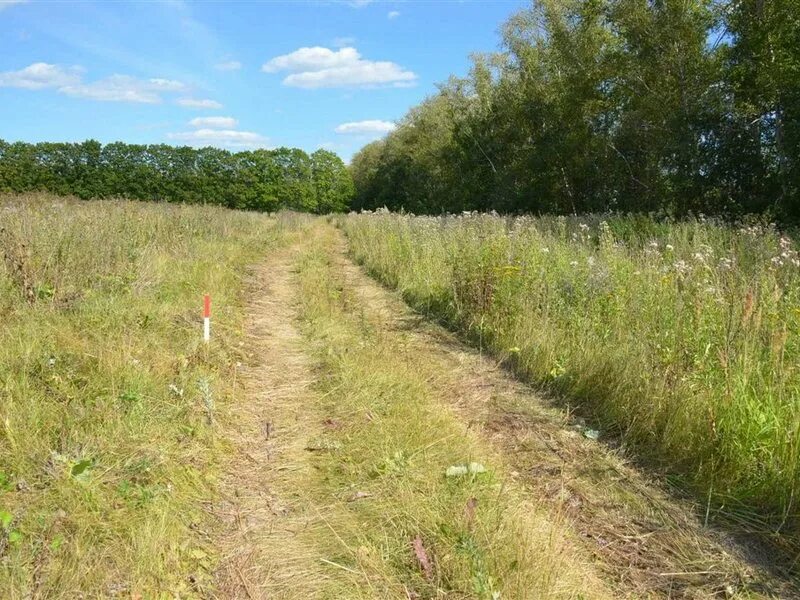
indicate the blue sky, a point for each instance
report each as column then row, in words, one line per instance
column 231, row 74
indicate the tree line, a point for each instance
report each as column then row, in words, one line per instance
column 261, row 180
column 667, row 106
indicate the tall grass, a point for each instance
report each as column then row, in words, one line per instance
column 108, row 397
column 680, row 337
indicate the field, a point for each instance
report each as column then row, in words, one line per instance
column 109, row 397
column 333, row 442
column 679, row 338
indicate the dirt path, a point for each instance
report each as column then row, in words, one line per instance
column 263, row 555
column 641, row 541
column 646, row 542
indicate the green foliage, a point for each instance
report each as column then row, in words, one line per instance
column 677, row 107
column 680, row 337
column 259, row 180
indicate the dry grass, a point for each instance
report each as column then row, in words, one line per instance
column 108, row 401
column 264, row 506
column 393, row 524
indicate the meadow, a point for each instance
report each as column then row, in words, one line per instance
column 678, row 340
column 121, row 431
column 109, row 399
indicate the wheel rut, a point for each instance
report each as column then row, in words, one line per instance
column 264, row 510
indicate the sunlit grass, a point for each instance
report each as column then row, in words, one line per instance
column 681, row 337
column 396, row 465
column 108, row 395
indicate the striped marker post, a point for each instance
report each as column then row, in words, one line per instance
column 206, row 318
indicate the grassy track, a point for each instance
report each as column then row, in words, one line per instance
column 348, row 433
column 108, row 398
column 681, row 337
column 382, row 463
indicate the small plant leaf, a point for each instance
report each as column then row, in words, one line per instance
column 6, row 518
column 456, row 471
column 80, row 468
column 56, row 543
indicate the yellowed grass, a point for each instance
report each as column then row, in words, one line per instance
column 108, row 402
column 381, row 466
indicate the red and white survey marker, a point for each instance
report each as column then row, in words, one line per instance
column 206, row 318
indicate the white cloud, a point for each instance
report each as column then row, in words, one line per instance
column 198, row 103
column 368, row 127
column 165, row 85
column 4, row 4
column 228, row 65
column 41, row 75
column 393, row 14
column 341, row 42
column 320, row 67
column 69, row 81
column 224, row 138
column 312, row 59
column 359, row 3
column 214, row 122
column 123, row 88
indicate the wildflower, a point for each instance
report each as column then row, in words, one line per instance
column 669, row 247
column 51, row 362
column 546, row 250
column 726, row 264
column 573, row 263
column 175, row 390
column 682, row 267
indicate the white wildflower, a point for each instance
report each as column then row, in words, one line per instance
column 726, row 264
column 682, row 267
